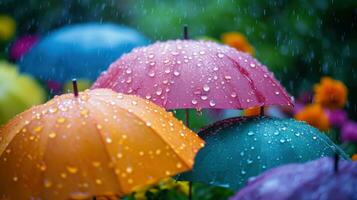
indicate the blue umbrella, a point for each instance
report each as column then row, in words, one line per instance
column 81, row 51
column 240, row 148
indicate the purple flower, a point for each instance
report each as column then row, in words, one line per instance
column 22, row 45
column 349, row 131
column 337, row 117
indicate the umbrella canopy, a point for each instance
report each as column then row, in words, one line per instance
column 15, row 90
column 81, row 51
column 99, row 143
column 194, row 74
column 240, row 148
column 314, row 180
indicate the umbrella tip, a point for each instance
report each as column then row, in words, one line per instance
column 75, row 87
column 185, row 32
column 336, row 162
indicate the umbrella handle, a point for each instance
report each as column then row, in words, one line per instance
column 185, row 32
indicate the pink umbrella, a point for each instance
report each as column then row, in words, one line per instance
column 194, row 74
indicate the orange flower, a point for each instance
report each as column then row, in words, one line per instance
column 238, row 41
column 315, row 116
column 254, row 111
column 330, row 93
column 354, row 157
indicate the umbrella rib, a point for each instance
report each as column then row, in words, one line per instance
column 259, row 96
column 280, row 88
column 142, row 120
column 106, row 151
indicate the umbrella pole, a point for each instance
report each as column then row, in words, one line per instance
column 262, row 111
column 75, row 87
column 188, row 125
column 185, row 37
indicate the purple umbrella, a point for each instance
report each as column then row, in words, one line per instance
column 324, row 178
column 194, row 74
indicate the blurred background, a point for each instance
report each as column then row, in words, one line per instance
column 310, row 46
column 299, row 40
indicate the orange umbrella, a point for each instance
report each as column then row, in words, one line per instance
column 96, row 143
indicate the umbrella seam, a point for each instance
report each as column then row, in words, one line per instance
column 261, row 99
column 155, row 131
column 93, row 119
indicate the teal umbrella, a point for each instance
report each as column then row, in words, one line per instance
column 238, row 149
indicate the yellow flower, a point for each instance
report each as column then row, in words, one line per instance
column 254, row 111
column 354, row 157
column 7, row 27
column 315, row 116
column 330, row 93
column 183, row 186
column 238, row 41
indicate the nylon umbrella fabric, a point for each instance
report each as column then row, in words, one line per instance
column 79, row 51
column 97, row 144
column 240, row 148
column 313, row 180
column 194, row 74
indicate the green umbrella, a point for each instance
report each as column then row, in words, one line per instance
column 240, row 148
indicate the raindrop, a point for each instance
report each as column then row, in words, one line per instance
column 220, row 55
column 128, row 71
column 202, row 52
column 243, row 172
column 98, row 181
column 148, row 124
column 233, row 95
column 129, row 170
column 212, row 103
column 176, row 73
column 282, row 140
column 252, row 65
column 15, row 178
column 277, row 93
column 61, row 120
column 52, row 135
column 194, row 101
column 276, row 133
column 108, row 140
column 159, row 92
column 72, row 169
column 152, row 74
column 250, row 133
column 227, row 77
column 204, row 97
column 249, row 161
column 206, row 88
column 47, row 184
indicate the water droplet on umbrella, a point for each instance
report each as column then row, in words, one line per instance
column 252, row 65
column 220, row 55
column 276, row 133
column 204, row 97
column 148, row 124
column 202, row 52
column 227, row 77
column 96, row 164
column 277, row 93
column 206, row 88
column 61, row 120
column 15, row 178
column 98, row 181
column 72, row 169
column 249, row 161
column 129, row 170
column 128, row 71
column 159, row 92
column 53, row 110
column 52, row 135
column 176, row 73
column 108, row 140
column 243, row 172
column 38, row 129
column 215, row 68
column 47, row 183
column 151, row 56
column 250, row 133
column 233, row 95
column 134, row 103
column 194, row 101
column 314, row 137
column 282, row 140
column 152, row 74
